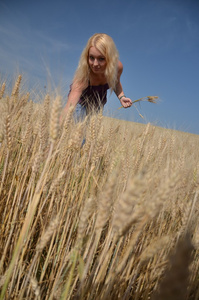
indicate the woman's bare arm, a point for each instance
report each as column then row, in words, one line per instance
column 74, row 95
column 126, row 102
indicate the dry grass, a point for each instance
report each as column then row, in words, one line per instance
column 114, row 219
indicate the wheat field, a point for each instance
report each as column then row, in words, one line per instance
column 115, row 218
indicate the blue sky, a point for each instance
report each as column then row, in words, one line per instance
column 158, row 43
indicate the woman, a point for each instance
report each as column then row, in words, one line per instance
column 99, row 69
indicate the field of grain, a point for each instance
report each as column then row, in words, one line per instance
column 116, row 218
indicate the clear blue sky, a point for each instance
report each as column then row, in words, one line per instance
column 158, row 42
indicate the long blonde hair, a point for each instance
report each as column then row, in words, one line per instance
column 105, row 44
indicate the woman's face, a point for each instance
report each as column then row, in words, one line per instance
column 96, row 60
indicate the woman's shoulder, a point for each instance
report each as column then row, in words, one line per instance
column 79, row 85
column 120, row 67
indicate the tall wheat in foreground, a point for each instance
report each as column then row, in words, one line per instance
column 115, row 218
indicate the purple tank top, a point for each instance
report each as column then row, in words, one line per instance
column 94, row 96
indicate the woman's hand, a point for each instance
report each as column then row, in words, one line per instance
column 126, row 102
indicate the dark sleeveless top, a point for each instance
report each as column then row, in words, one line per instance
column 94, row 96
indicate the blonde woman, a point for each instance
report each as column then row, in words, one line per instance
column 99, row 69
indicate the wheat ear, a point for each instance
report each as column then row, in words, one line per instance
column 174, row 285
column 47, row 234
column 15, row 91
column 2, row 90
column 35, row 287
column 54, row 120
column 8, row 132
column 128, row 210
